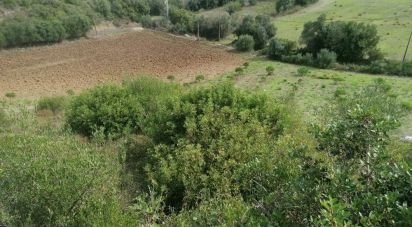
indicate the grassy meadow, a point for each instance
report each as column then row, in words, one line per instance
column 393, row 19
column 318, row 87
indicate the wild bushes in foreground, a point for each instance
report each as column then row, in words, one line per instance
column 213, row 155
column 366, row 187
column 58, row 181
column 116, row 110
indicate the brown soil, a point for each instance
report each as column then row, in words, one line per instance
column 53, row 70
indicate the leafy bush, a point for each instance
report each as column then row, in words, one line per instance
column 303, row 71
column 10, row 95
column 352, row 42
column 147, row 22
column 270, row 69
column 220, row 212
column 54, row 104
column 108, row 108
column 245, row 43
column 259, row 27
column 362, row 123
column 215, row 27
column 201, row 135
column 183, row 19
column 58, row 181
column 200, row 77
column 196, row 5
column 283, row 5
column 233, row 7
column 281, row 47
column 325, row 59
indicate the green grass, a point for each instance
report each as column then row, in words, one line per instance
column 393, row 19
column 316, row 89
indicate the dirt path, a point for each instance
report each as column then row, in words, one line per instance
column 53, row 70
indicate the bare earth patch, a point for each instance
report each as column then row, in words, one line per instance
column 52, row 70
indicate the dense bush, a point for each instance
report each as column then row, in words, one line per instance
column 352, row 42
column 220, row 212
column 391, row 67
column 203, row 143
column 215, row 27
column 245, row 43
column 233, row 7
column 365, row 187
column 210, row 155
column 325, row 59
column 147, row 22
column 183, row 20
column 362, row 123
column 280, row 47
column 259, row 27
column 58, row 181
column 284, row 5
column 109, row 109
column 196, row 5
column 54, row 104
column 115, row 110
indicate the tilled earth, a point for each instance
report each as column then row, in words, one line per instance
column 53, row 70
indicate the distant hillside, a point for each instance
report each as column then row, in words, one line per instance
column 393, row 19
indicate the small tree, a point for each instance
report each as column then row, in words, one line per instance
column 326, row 59
column 245, row 43
column 283, row 5
column 281, row 47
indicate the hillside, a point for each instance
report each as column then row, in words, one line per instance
column 393, row 19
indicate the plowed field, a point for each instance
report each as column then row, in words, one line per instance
column 53, row 70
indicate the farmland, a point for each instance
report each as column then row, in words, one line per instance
column 52, row 70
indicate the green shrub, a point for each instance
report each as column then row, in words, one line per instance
column 259, row 27
column 54, row 104
column 209, row 26
column 200, row 77
column 109, row 108
column 233, row 7
column 245, row 43
column 182, row 19
column 303, row 71
column 340, row 91
column 283, row 5
column 58, row 181
column 239, row 71
column 220, row 212
column 10, row 95
column 146, row 21
column 202, row 143
column 325, row 59
column 270, row 69
column 76, row 25
column 351, row 41
column 281, row 47
column 407, row 105
column 361, row 122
